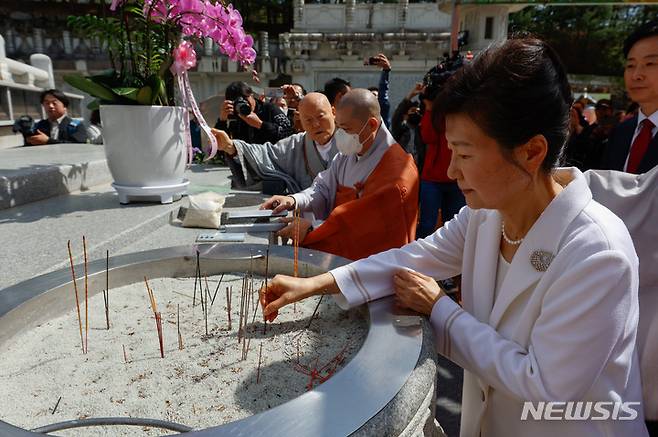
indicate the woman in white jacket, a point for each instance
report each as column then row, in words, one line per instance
column 549, row 277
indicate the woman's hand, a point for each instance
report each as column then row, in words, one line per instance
column 281, row 291
column 416, row 291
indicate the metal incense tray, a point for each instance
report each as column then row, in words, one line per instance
column 339, row 407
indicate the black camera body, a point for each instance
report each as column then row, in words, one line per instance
column 438, row 75
column 25, row 125
column 241, row 106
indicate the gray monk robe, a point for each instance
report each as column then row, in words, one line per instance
column 294, row 160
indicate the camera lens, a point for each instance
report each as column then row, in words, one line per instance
column 241, row 106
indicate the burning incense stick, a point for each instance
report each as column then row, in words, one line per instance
column 296, row 252
column 84, row 246
column 180, row 336
column 158, row 324
column 212, row 302
column 197, row 277
column 296, row 242
column 308, row 325
column 158, row 317
column 242, row 294
column 151, row 296
column 260, row 356
column 56, row 405
column 106, row 293
column 298, row 339
column 77, row 301
column 228, row 305
column 201, row 292
column 267, row 272
column 205, row 307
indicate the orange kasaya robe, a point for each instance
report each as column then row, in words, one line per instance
column 374, row 216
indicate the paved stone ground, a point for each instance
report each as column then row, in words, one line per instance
column 449, row 396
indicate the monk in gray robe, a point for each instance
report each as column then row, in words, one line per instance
column 295, row 160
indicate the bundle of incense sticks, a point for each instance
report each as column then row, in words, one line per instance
column 158, row 318
column 77, row 300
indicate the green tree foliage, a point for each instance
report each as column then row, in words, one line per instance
column 589, row 39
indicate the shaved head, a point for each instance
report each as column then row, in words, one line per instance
column 317, row 117
column 361, row 103
column 314, row 101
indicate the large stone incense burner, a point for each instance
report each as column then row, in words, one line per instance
column 383, row 385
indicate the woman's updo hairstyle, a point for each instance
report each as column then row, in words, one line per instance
column 513, row 91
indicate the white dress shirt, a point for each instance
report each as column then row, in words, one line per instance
column 54, row 127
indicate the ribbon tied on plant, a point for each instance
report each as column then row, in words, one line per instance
column 184, row 58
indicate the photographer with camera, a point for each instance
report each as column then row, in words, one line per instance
column 382, row 91
column 405, row 126
column 250, row 120
column 294, row 93
column 437, row 190
column 57, row 127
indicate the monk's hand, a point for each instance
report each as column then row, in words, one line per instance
column 292, row 231
column 224, row 142
column 281, row 291
column 416, row 291
column 279, row 203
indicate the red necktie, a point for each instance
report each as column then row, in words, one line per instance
column 640, row 146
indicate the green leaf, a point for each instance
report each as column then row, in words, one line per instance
column 128, row 92
column 90, row 87
column 144, row 95
column 158, row 87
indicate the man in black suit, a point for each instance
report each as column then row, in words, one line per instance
column 58, row 127
column 633, row 145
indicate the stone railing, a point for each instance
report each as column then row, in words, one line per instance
column 370, row 17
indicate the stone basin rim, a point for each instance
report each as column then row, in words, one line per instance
column 339, row 407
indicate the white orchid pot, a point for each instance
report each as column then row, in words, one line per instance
column 146, row 150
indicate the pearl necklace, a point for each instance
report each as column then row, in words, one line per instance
column 508, row 240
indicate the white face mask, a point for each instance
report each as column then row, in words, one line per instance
column 348, row 144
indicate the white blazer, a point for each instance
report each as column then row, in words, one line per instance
column 564, row 334
column 634, row 198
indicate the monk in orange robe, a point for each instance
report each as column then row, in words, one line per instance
column 367, row 200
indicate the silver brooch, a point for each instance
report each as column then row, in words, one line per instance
column 540, row 260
